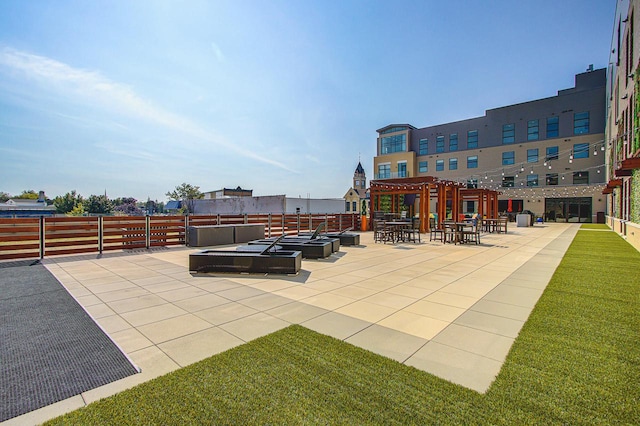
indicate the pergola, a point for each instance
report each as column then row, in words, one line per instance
column 426, row 187
column 487, row 200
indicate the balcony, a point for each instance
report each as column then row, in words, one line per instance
column 392, row 175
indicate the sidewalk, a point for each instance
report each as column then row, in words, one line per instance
column 451, row 310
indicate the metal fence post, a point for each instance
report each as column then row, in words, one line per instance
column 41, row 236
column 147, row 226
column 100, row 234
column 186, row 229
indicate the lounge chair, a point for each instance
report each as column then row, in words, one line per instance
column 310, row 249
column 335, row 242
column 270, row 259
column 346, row 238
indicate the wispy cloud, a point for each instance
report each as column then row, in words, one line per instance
column 94, row 88
column 217, row 51
column 132, row 152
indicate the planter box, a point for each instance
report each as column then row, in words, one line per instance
column 210, row 235
column 248, row 232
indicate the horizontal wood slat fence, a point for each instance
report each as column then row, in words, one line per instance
column 48, row 236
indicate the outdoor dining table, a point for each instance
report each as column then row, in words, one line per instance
column 397, row 226
column 458, row 230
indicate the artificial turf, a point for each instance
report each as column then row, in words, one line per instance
column 576, row 361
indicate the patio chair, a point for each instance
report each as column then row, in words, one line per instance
column 435, row 232
column 451, row 234
column 410, row 234
column 381, row 233
column 472, row 235
column 501, row 225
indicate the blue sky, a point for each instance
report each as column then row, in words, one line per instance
column 282, row 97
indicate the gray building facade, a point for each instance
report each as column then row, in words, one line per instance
column 545, row 155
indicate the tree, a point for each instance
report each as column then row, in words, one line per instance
column 98, row 204
column 153, row 207
column 4, row 196
column 28, row 194
column 187, row 194
column 67, row 202
column 128, row 207
column 78, row 210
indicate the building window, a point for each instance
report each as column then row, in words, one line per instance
column 453, row 164
column 346, row 206
column 532, row 155
column 552, row 179
column 453, row 142
column 580, row 178
column 422, row 167
column 508, row 181
column 384, row 171
column 508, row 133
column 393, row 130
column 402, row 169
column 552, row 127
column 472, row 183
column 439, row 143
column 532, row 180
column 439, row 165
column 391, row 144
column 508, row 158
column 532, row 130
column 355, row 206
column 472, row 162
column 581, row 123
column 472, row 139
column 552, row 153
column 581, row 150
column 424, row 147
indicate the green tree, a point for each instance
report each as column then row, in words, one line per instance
column 67, row 202
column 4, row 196
column 98, row 204
column 78, row 210
column 28, row 194
column 187, row 194
column 128, row 207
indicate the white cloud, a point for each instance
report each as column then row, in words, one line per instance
column 92, row 87
column 217, row 51
column 129, row 151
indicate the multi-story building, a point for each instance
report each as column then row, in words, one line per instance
column 623, row 122
column 546, row 155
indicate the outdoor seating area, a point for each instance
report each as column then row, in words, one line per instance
column 397, row 230
column 428, row 301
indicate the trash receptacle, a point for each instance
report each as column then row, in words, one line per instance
column 523, row 220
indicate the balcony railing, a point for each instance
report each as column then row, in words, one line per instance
column 394, row 175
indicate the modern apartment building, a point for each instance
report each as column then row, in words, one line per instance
column 546, row 155
column 623, row 122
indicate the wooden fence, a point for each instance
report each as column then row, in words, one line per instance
column 49, row 236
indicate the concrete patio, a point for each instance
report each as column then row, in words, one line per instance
column 451, row 310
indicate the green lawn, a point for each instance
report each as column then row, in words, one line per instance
column 576, row 361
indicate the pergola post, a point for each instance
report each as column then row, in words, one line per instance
column 424, row 209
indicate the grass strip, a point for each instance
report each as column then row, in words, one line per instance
column 576, row 361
